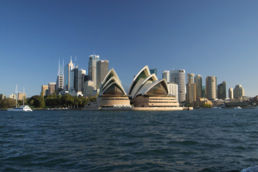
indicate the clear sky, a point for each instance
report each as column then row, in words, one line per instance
column 207, row 37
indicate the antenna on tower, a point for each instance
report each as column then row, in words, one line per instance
column 16, row 92
column 63, row 67
column 58, row 73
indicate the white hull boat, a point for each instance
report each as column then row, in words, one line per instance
column 20, row 109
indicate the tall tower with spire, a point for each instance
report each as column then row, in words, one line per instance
column 69, row 76
column 60, row 77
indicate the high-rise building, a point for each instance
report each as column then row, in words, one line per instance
column 44, row 90
column 239, row 92
column 51, row 88
column 190, row 78
column 60, row 77
column 89, row 88
column 21, row 96
column 154, row 71
column 191, row 93
column 92, row 68
column 102, row 70
column 222, row 92
column 178, row 77
column 230, row 94
column 69, row 76
column 191, row 89
column 198, row 82
column 166, row 75
column 211, row 84
column 173, row 90
column 79, row 75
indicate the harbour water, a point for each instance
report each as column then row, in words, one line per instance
column 199, row 140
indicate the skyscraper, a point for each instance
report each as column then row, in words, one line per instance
column 190, row 78
column 178, row 77
column 92, row 68
column 21, row 96
column 191, row 89
column 230, row 94
column 69, row 76
column 79, row 75
column 44, row 90
column 166, row 75
column 173, row 90
column 60, row 77
column 211, row 84
column 222, row 92
column 51, row 88
column 102, row 70
column 198, row 82
column 239, row 92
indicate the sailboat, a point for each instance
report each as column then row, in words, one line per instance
column 23, row 108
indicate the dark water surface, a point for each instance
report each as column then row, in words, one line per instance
column 199, row 140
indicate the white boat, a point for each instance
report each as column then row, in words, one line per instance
column 238, row 107
column 23, row 108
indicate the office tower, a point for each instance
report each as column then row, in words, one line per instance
column 230, row 94
column 211, row 84
column 44, row 90
column 79, row 79
column 82, row 75
column 222, row 92
column 198, row 82
column 178, row 77
column 154, row 71
column 92, row 68
column 76, row 79
column 173, row 90
column 102, row 70
column 60, row 77
column 89, row 88
column 190, row 78
column 239, row 92
column 166, row 75
column 191, row 89
column 69, row 76
column 21, row 96
column 51, row 88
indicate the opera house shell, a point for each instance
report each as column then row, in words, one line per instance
column 112, row 93
column 147, row 92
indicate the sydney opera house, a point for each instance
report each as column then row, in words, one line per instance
column 146, row 93
column 112, row 93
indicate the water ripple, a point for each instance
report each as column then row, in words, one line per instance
column 200, row 140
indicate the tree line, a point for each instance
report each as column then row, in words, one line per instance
column 51, row 101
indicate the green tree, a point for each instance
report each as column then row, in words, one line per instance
column 7, row 103
column 67, row 100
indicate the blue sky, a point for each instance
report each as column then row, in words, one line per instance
column 203, row 36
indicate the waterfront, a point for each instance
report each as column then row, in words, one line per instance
column 199, row 140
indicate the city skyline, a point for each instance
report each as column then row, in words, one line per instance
column 166, row 36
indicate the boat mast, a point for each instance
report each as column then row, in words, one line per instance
column 16, row 93
column 23, row 96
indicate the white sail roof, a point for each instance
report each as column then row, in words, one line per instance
column 139, row 78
